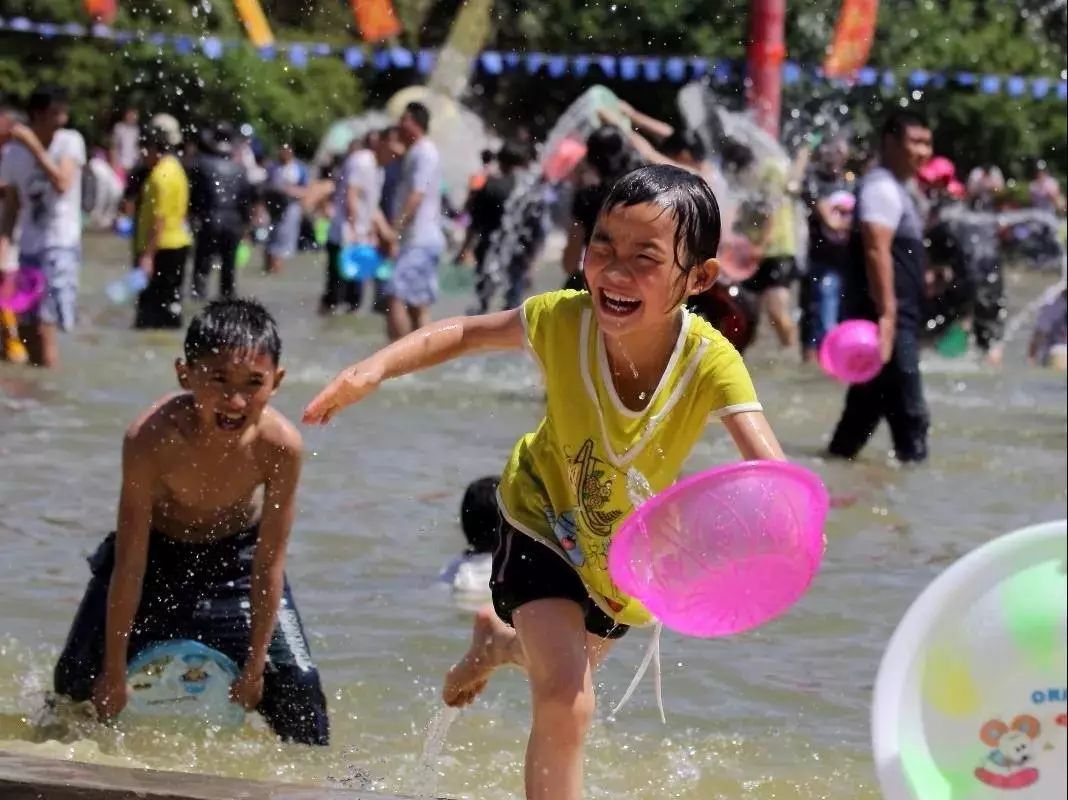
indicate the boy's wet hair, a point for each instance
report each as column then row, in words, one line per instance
column 240, row 325
column 479, row 517
column 683, row 195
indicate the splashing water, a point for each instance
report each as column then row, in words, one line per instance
column 437, row 729
column 516, row 242
column 749, row 193
column 638, row 488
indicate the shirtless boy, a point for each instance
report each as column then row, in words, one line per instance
column 209, row 479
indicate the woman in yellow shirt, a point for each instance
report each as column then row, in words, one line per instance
column 162, row 238
column 631, row 380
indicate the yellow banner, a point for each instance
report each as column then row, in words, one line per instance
column 852, row 38
column 255, row 21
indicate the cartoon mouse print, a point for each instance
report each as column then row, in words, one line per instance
column 1009, row 764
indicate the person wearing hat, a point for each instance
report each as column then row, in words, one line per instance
column 221, row 204
column 161, row 236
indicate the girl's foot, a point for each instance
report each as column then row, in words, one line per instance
column 491, row 647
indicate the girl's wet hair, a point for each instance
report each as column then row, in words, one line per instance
column 683, row 195
column 240, row 325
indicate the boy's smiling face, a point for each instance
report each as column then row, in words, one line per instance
column 230, row 389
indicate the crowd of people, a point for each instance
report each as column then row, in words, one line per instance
column 199, row 198
column 822, row 223
column 663, row 280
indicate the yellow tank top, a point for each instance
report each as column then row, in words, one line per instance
column 566, row 484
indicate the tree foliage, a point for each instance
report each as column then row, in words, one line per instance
column 284, row 103
column 1021, row 37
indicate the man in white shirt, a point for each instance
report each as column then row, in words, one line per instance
column 414, row 285
column 48, row 215
column 357, row 217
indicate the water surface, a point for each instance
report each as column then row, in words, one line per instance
column 779, row 713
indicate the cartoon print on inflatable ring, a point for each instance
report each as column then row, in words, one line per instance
column 1008, row 765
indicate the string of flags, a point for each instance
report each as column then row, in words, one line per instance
column 673, row 69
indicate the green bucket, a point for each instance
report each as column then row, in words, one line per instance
column 954, row 342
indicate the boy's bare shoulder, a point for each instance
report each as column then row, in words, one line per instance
column 162, row 424
column 279, row 439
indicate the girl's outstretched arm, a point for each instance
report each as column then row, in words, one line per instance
column 753, row 436
column 435, row 344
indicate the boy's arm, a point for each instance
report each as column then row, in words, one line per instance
column 131, row 556
column 879, row 264
column 411, row 205
column 25, row 135
column 753, row 436
column 435, row 344
column 268, row 565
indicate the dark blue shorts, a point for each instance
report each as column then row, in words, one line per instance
column 525, row 570
column 201, row 592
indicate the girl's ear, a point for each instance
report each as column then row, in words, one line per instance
column 703, row 276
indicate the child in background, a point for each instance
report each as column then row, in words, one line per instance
column 469, row 573
column 209, row 481
column 632, row 379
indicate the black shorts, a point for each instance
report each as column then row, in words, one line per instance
column 525, row 570
column 201, row 592
column 772, row 273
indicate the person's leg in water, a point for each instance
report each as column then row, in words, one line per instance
column 57, row 309
column 160, row 303
column 776, row 303
column 493, row 644
column 203, row 261
column 42, row 344
column 864, row 409
column 559, row 663
column 413, row 289
column 228, row 240
column 820, row 290
column 906, row 408
column 559, row 636
column 398, row 321
column 419, row 316
column 551, row 644
column 293, row 702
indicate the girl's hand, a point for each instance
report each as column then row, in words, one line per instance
column 351, row 385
